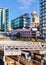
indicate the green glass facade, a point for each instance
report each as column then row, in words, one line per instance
column 15, row 23
column 0, row 19
column 22, row 22
column 3, row 19
column 7, row 17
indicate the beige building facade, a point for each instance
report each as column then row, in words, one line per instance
column 35, row 20
column 9, row 26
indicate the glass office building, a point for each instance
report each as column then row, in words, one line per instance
column 22, row 22
column 3, row 19
column 43, row 18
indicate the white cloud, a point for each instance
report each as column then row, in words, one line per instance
column 25, row 3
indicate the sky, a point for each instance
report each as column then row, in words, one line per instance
column 19, row 7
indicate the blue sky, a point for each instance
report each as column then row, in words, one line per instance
column 19, row 7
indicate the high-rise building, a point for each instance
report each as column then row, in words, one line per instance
column 9, row 26
column 43, row 18
column 35, row 20
column 3, row 19
column 34, row 25
column 22, row 22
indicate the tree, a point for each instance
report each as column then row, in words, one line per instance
column 32, row 40
column 40, row 40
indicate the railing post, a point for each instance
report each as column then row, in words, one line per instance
column 4, row 60
column 42, row 62
column 4, row 56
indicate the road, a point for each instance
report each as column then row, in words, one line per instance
column 5, row 39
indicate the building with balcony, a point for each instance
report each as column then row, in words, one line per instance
column 43, row 18
column 24, row 33
column 26, row 28
column 22, row 22
column 34, row 32
column 3, row 19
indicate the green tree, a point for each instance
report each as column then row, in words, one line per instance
column 40, row 40
column 32, row 40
